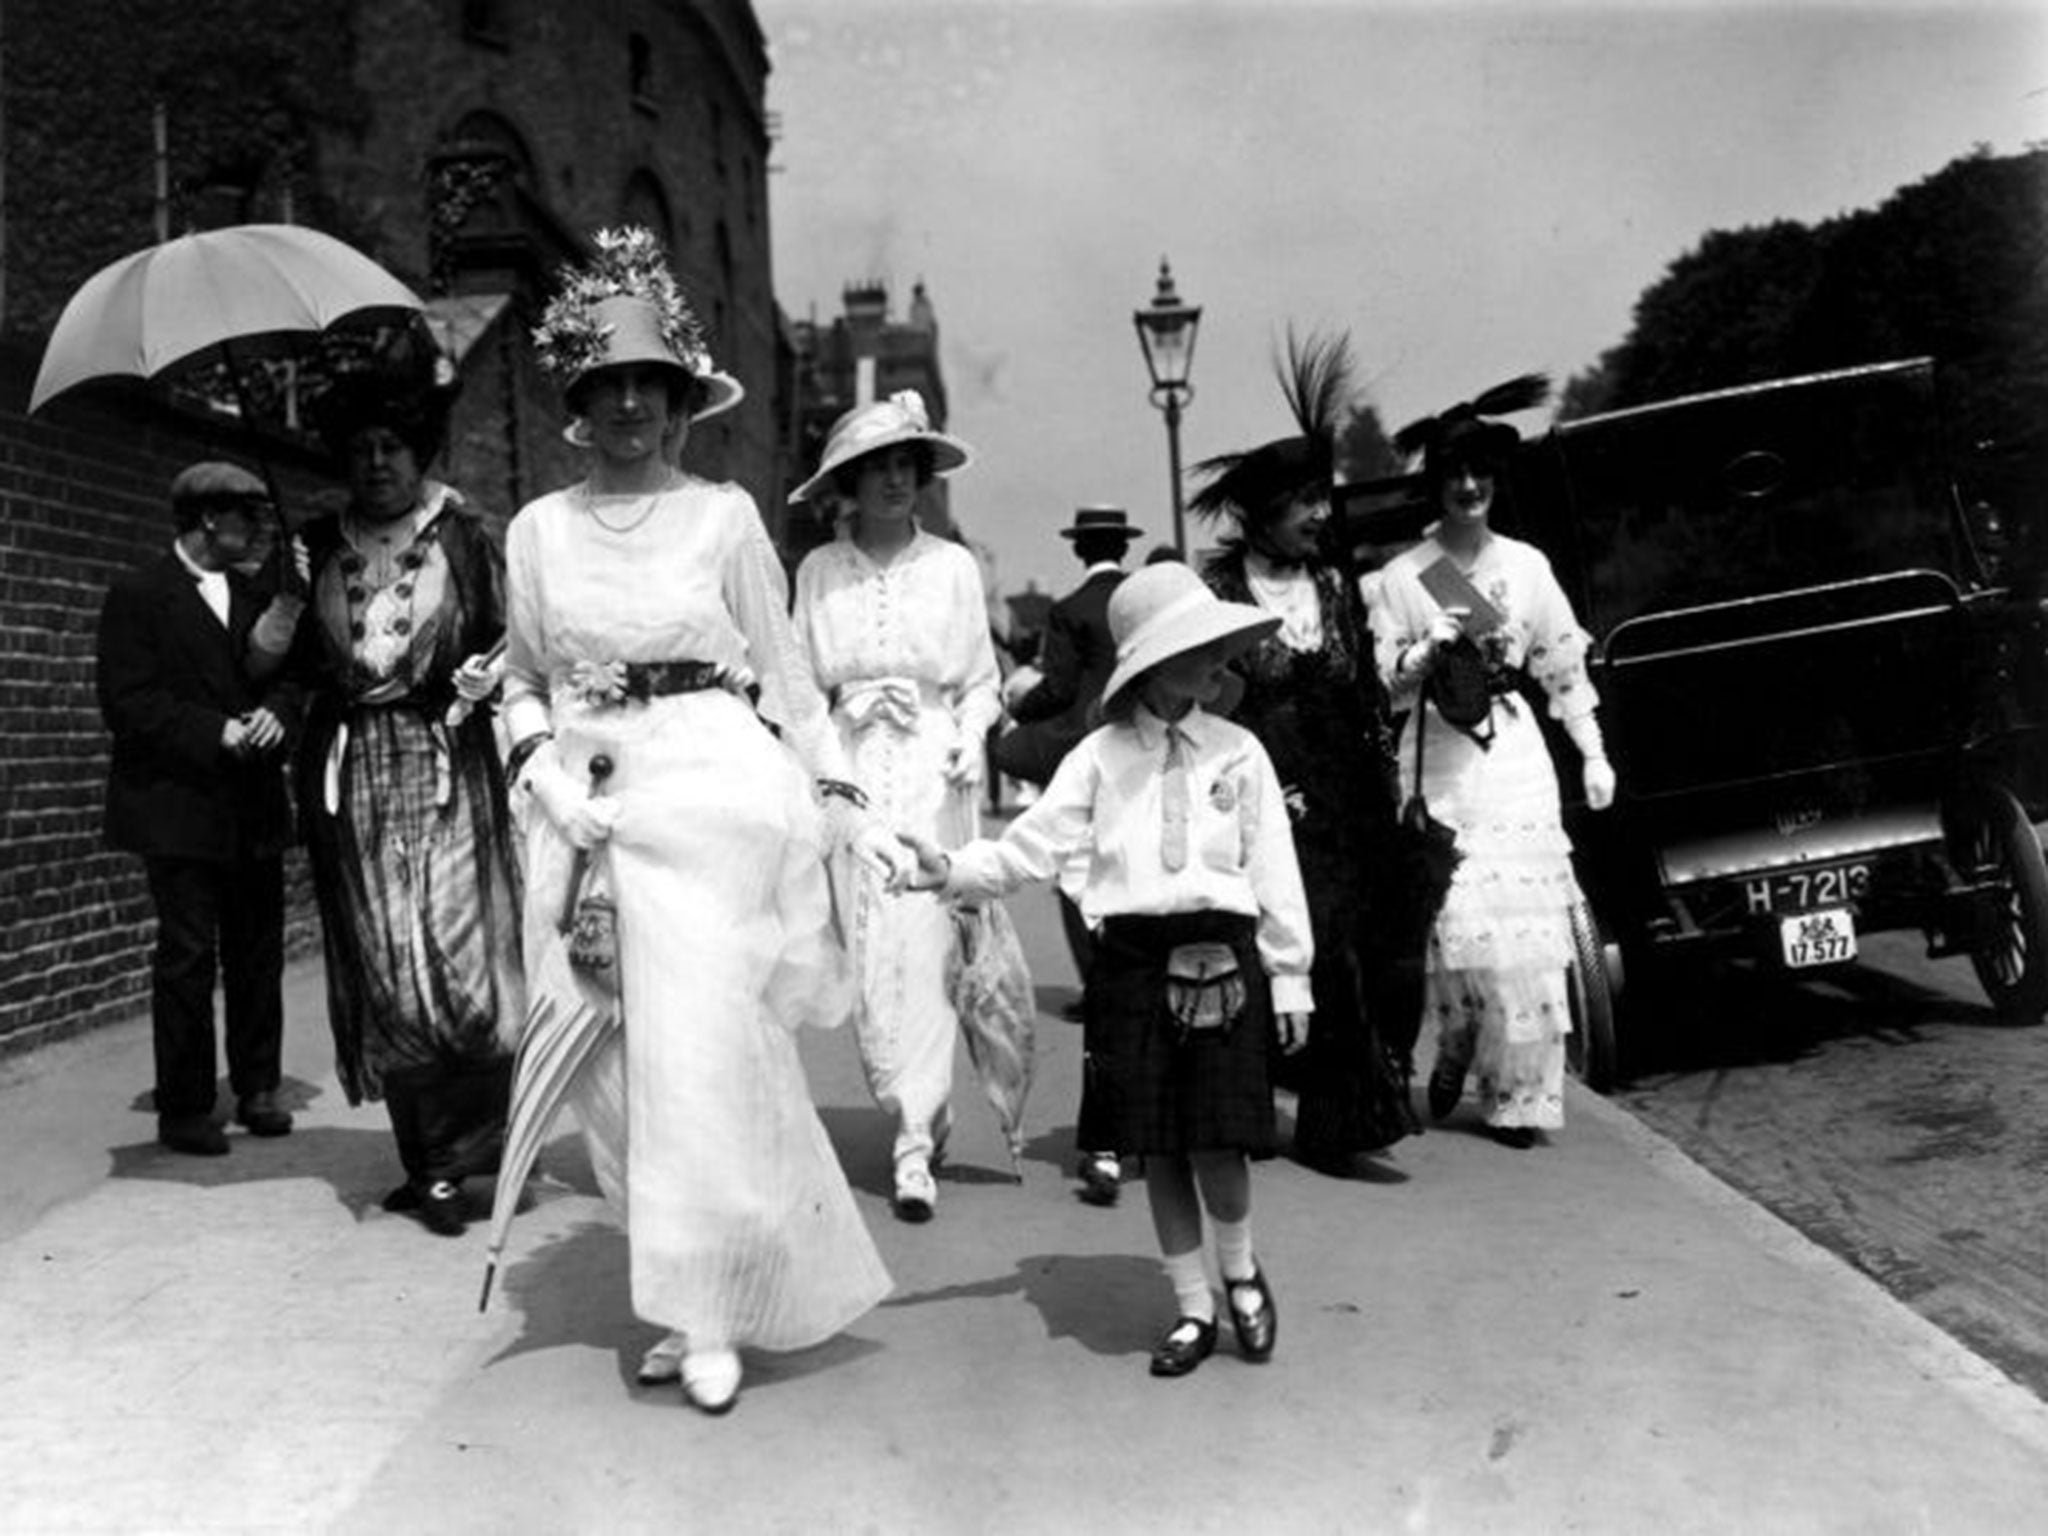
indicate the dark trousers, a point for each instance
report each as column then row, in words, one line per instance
column 216, row 918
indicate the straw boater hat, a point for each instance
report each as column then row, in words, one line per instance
column 1465, row 434
column 868, row 429
column 1162, row 610
column 1102, row 520
column 627, row 307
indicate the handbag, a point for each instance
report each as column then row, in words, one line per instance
column 590, row 927
column 1205, row 988
column 1461, row 688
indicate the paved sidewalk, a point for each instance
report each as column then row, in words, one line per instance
column 1594, row 1336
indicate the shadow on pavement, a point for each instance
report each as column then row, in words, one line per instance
column 360, row 1165
column 1108, row 1303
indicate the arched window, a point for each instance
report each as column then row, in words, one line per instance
column 639, row 67
column 479, row 133
column 646, row 204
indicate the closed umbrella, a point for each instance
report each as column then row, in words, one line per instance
column 990, row 987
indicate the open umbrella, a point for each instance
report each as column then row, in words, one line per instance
column 192, row 300
column 990, row 986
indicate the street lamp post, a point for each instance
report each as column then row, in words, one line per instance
column 1166, row 332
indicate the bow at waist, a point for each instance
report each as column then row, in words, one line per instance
column 895, row 700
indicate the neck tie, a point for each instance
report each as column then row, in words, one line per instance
column 1173, row 842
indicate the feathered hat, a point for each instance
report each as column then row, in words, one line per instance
column 1251, row 486
column 1463, row 433
column 627, row 307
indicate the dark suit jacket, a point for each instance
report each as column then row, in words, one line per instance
column 1077, row 657
column 170, row 677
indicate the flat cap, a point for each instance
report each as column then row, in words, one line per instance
column 214, row 480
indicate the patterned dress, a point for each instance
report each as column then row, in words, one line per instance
column 700, row 1123
column 901, row 649
column 1312, row 697
column 1498, row 954
column 406, row 824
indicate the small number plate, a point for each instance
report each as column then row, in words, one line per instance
column 1818, row 938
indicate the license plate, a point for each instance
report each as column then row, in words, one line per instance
column 1802, row 890
column 1818, row 938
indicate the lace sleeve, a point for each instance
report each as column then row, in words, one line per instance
column 757, row 593
column 1557, row 646
column 525, row 709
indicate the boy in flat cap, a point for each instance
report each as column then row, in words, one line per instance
column 197, row 789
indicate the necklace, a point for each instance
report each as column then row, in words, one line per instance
column 639, row 510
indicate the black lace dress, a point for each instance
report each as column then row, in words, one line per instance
column 1321, row 716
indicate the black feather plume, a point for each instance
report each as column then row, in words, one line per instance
column 1521, row 393
column 1315, row 378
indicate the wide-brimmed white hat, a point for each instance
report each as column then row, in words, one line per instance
column 627, row 307
column 868, row 429
column 1160, row 611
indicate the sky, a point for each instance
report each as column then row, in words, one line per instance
column 1467, row 189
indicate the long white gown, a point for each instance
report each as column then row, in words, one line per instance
column 901, row 648
column 741, row 1225
column 1495, row 968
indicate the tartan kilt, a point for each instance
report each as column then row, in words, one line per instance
column 1143, row 1089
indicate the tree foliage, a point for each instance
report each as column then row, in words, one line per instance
column 1954, row 267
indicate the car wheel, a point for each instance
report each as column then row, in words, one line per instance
column 1592, row 1049
column 2011, row 956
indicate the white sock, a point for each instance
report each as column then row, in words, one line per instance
column 1191, row 1285
column 1234, row 1248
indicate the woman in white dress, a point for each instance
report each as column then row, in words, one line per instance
column 895, row 624
column 647, row 624
column 1495, row 966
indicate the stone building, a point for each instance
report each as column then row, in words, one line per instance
column 467, row 145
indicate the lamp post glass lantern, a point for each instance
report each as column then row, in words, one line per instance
column 1166, row 332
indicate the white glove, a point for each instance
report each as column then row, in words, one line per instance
column 1021, row 682
column 880, row 854
column 1599, row 781
column 583, row 818
column 964, row 765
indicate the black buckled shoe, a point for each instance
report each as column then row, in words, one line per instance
column 1518, row 1137
column 1253, row 1315
column 441, row 1208
column 1186, row 1345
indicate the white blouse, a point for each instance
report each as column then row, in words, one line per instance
column 921, row 616
column 1107, row 800
column 696, row 579
column 1538, row 630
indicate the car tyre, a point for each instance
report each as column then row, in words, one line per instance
column 1593, row 1048
column 2011, row 956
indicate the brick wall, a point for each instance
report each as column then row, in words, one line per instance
column 82, row 497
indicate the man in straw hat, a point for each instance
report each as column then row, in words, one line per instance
column 197, row 789
column 1075, row 660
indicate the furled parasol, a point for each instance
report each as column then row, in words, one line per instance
column 990, row 985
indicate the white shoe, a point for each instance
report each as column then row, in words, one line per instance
column 917, row 1193
column 663, row 1363
column 711, row 1379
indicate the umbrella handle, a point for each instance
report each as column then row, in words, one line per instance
column 600, row 770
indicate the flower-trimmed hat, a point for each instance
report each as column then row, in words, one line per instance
column 627, row 307
column 1465, row 434
column 1260, row 482
column 1160, row 611
column 869, row 429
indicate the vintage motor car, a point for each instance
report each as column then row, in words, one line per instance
column 1823, row 687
